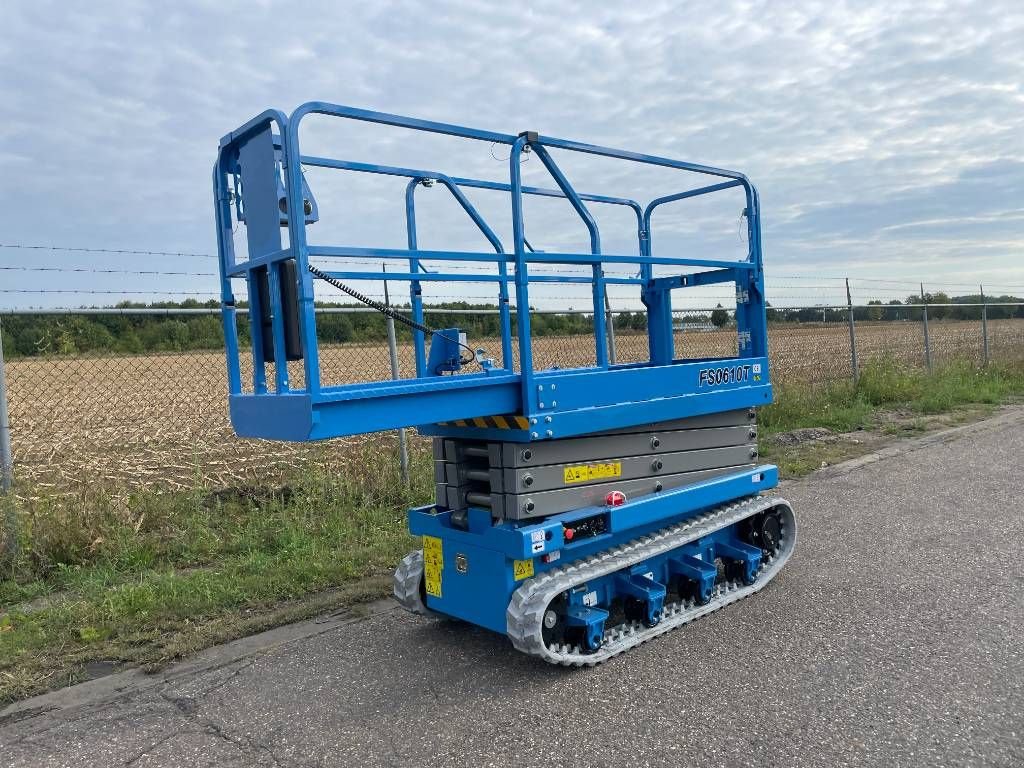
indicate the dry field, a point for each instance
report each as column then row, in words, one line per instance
column 160, row 420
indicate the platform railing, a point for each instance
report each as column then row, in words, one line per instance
column 743, row 272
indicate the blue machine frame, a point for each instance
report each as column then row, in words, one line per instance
column 472, row 568
column 264, row 155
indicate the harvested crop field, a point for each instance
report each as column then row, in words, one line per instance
column 161, row 419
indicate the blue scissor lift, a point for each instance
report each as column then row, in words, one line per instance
column 580, row 511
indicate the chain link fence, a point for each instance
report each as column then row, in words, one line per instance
column 83, row 415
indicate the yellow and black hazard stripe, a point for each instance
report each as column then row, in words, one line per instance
column 508, row 421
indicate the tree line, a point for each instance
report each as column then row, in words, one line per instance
column 30, row 335
column 877, row 310
column 35, row 335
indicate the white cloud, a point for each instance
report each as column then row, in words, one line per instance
column 891, row 129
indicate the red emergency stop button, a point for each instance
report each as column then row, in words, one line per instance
column 568, row 533
column 615, row 499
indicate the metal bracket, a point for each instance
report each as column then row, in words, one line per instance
column 748, row 556
column 701, row 573
column 640, row 587
column 591, row 619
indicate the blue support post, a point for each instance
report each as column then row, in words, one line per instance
column 277, row 328
column 259, row 366
column 292, row 167
column 415, row 289
column 660, row 336
column 522, row 281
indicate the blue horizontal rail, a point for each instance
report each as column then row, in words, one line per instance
column 429, row 277
column 539, row 257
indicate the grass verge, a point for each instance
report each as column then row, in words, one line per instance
column 888, row 399
column 100, row 580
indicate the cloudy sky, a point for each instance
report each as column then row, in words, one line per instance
column 887, row 139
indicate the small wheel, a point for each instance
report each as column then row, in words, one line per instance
column 553, row 628
column 748, row 580
column 765, row 531
column 736, row 570
column 587, row 641
column 690, row 590
column 636, row 610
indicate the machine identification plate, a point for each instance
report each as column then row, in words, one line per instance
column 731, row 374
column 584, row 473
column 433, row 563
column 522, row 569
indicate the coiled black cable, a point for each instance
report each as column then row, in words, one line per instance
column 384, row 309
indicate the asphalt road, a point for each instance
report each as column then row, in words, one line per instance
column 892, row 638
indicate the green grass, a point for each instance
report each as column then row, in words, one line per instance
column 889, row 398
column 100, row 577
column 144, row 578
column 884, row 384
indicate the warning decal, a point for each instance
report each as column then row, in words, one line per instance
column 584, row 473
column 433, row 564
column 522, row 569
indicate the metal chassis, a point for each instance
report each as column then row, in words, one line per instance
column 481, row 592
column 662, row 389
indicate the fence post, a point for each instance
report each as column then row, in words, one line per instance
column 403, row 443
column 853, row 334
column 6, row 460
column 984, row 324
column 11, row 541
column 927, row 342
column 610, row 328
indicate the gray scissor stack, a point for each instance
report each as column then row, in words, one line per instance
column 518, row 481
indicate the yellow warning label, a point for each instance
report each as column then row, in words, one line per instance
column 433, row 564
column 587, row 472
column 522, row 569
column 432, row 583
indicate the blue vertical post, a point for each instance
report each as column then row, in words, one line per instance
column 259, row 368
column 751, row 316
column 505, row 317
column 660, row 340
column 277, row 327
column 403, row 443
column 415, row 289
column 661, row 343
column 297, row 243
column 522, row 281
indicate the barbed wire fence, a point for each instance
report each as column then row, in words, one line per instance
column 85, row 399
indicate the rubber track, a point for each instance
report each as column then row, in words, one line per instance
column 525, row 612
column 406, row 584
